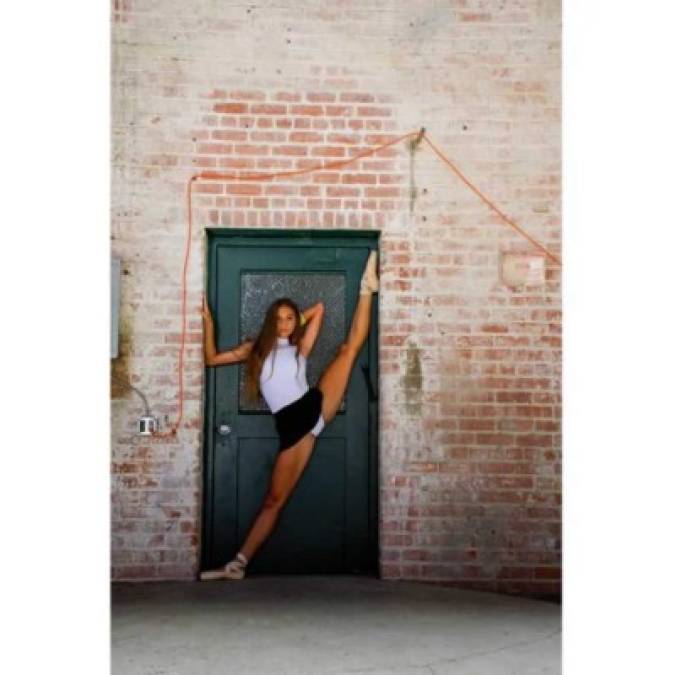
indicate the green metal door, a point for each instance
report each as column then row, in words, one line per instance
column 329, row 524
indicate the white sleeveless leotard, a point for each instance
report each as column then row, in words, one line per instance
column 279, row 383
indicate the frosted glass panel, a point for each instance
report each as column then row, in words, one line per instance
column 259, row 290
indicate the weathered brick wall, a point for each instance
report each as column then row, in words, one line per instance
column 470, row 437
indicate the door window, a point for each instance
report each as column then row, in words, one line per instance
column 258, row 290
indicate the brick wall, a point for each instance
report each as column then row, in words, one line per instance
column 470, row 435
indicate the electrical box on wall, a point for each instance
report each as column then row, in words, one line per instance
column 115, row 302
column 519, row 270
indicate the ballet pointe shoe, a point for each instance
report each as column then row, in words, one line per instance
column 370, row 280
column 235, row 569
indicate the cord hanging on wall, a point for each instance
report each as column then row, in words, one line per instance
column 414, row 138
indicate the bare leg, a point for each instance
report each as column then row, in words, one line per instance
column 286, row 473
column 334, row 380
column 288, row 468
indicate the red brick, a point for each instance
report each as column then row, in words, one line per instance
column 534, row 440
column 305, row 137
column 328, row 151
column 320, row 97
column 268, row 136
column 230, row 108
column 222, row 135
column 326, row 177
column 338, row 110
column 343, row 192
column 244, row 149
column 382, row 192
column 236, row 163
column 215, row 148
column 296, row 150
column 307, row 110
column 209, row 188
column 245, row 95
column 477, row 425
column 287, row 96
column 280, row 190
column 494, row 439
column 267, row 109
column 343, row 138
column 243, row 189
column 363, row 178
column 369, row 111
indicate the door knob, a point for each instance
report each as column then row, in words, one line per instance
column 224, row 429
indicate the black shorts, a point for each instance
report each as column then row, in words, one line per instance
column 299, row 418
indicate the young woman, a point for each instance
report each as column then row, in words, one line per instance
column 276, row 367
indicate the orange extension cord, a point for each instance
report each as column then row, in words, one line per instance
column 213, row 175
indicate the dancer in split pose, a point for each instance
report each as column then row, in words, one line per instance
column 276, row 364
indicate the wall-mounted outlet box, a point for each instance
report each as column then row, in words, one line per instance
column 147, row 425
column 519, row 270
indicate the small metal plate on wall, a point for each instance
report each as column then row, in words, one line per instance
column 522, row 269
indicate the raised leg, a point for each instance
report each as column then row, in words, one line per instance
column 334, row 380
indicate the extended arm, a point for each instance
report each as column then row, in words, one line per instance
column 212, row 356
column 313, row 316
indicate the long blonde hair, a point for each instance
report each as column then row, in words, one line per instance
column 266, row 340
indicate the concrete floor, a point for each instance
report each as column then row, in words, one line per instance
column 318, row 625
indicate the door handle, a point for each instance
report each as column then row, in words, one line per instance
column 224, row 429
column 370, row 386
